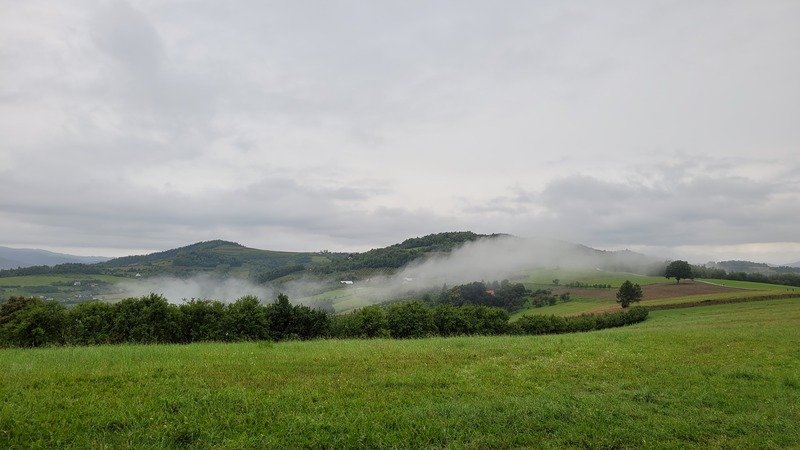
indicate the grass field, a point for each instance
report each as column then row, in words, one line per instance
column 719, row 376
column 38, row 280
column 615, row 279
column 751, row 285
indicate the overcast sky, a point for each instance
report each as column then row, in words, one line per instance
column 671, row 128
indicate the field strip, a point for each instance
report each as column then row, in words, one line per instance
column 721, row 301
column 714, row 284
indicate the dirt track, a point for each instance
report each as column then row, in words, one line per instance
column 652, row 291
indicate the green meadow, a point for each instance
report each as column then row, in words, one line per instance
column 724, row 376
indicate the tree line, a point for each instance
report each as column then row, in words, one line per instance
column 786, row 279
column 504, row 294
column 33, row 322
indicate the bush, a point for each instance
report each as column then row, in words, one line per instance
column 247, row 320
column 203, row 320
column 367, row 322
column 90, row 323
column 31, row 322
column 586, row 322
column 449, row 322
column 484, row 320
column 410, row 320
column 149, row 319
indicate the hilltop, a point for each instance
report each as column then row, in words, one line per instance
column 217, row 256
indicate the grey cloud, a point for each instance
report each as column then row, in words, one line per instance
column 683, row 209
column 358, row 123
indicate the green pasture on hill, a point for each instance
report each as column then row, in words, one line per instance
column 718, row 376
column 40, row 280
column 572, row 307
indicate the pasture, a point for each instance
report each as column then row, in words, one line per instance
column 718, row 376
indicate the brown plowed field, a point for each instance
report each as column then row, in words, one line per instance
column 652, row 291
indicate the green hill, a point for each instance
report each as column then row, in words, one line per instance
column 398, row 255
column 217, row 256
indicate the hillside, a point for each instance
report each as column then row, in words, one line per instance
column 398, row 255
column 220, row 257
column 301, row 274
column 12, row 258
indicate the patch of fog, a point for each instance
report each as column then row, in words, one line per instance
column 486, row 259
column 201, row 287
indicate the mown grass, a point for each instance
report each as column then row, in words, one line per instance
column 751, row 285
column 576, row 305
column 720, row 376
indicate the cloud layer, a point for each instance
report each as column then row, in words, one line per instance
column 137, row 126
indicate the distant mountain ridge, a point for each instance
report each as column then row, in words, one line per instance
column 226, row 258
column 12, row 258
column 734, row 266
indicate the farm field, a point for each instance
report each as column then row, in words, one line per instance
column 717, row 376
column 655, row 293
column 62, row 287
column 545, row 277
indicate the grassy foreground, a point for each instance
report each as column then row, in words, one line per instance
column 720, row 376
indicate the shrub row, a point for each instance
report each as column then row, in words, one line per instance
column 583, row 322
column 722, row 301
column 32, row 322
column 415, row 320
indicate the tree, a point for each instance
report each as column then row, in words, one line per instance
column 628, row 293
column 410, row 320
column 31, row 322
column 679, row 270
column 248, row 320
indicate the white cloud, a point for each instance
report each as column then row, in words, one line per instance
column 143, row 125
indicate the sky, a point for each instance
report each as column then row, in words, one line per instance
column 665, row 127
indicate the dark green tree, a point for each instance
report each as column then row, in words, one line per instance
column 203, row 320
column 90, row 323
column 31, row 322
column 149, row 319
column 628, row 293
column 410, row 320
column 247, row 319
column 679, row 270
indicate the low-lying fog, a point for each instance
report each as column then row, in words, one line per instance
column 485, row 259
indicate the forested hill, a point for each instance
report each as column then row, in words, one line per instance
column 227, row 258
column 752, row 267
column 200, row 248
column 216, row 256
column 230, row 258
column 398, row 255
